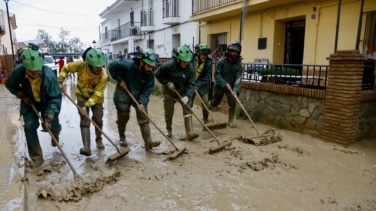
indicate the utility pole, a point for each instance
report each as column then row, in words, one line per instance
column 10, row 32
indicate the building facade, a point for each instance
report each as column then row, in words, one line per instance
column 288, row 31
column 158, row 24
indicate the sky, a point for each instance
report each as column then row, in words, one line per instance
column 80, row 17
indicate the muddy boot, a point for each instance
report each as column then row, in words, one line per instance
column 123, row 141
column 99, row 143
column 98, row 139
column 123, row 118
column 169, row 133
column 85, row 133
column 169, row 129
column 56, row 136
column 145, row 131
column 231, row 121
column 189, row 129
column 36, row 156
column 53, row 143
column 205, row 115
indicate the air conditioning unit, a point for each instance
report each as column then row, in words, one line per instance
column 135, row 30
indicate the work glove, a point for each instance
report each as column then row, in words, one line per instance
column 23, row 97
column 61, row 86
column 184, row 100
column 171, row 86
column 141, row 108
column 47, row 121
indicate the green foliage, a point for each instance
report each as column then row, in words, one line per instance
column 279, row 71
column 73, row 45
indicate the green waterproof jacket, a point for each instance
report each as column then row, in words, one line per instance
column 204, row 76
column 183, row 79
column 139, row 84
column 227, row 72
column 50, row 92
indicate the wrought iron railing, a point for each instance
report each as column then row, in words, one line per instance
column 147, row 17
column 204, row 5
column 310, row 76
column 123, row 31
column 170, row 8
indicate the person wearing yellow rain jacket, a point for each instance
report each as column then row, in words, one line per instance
column 91, row 83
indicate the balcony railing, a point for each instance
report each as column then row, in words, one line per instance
column 121, row 32
column 147, row 18
column 170, row 8
column 204, row 5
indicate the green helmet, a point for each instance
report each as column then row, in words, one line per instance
column 182, row 53
column 95, row 57
column 197, row 48
column 149, row 57
column 235, row 46
column 31, row 59
column 204, row 48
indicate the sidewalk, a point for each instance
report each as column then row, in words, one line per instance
column 12, row 153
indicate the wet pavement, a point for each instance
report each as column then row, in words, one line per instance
column 298, row 173
column 12, row 153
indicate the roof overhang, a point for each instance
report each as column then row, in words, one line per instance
column 116, row 7
column 235, row 8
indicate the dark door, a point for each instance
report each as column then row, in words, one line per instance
column 294, row 42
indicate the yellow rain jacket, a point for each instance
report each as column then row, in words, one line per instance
column 90, row 87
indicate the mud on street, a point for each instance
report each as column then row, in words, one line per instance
column 298, row 173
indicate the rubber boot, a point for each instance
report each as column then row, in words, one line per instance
column 36, row 156
column 145, row 131
column 231, row 121
column 189, row 129
column 122, row 119
column 85, row 134
column 169, row 129
column 205, row 115
column 56, row 136
column 98, row 139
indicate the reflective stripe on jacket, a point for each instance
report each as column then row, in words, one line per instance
column 90, row 87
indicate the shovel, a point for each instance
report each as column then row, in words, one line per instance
column 76, row 175
column 271, row 136
column 114, row 156
column 178, row 151
column 215, row 125
column 220, row 144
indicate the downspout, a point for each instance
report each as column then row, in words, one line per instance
column 359, row 25
column 337, row 26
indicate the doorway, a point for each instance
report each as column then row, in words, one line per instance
column 294, row 42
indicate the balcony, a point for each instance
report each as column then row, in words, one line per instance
column 122, row 32
column 210, row 10
column 147, row 21
column 171, row 12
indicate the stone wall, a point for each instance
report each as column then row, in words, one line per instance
column 297, row 113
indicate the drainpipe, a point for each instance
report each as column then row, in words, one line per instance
column 199, row 32
column 337, row 26
column 10, row 32
column 359, row 25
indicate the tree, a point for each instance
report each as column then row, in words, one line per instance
column 73, row 45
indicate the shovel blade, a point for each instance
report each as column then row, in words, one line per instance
column 216, row 126
column 124, row 151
